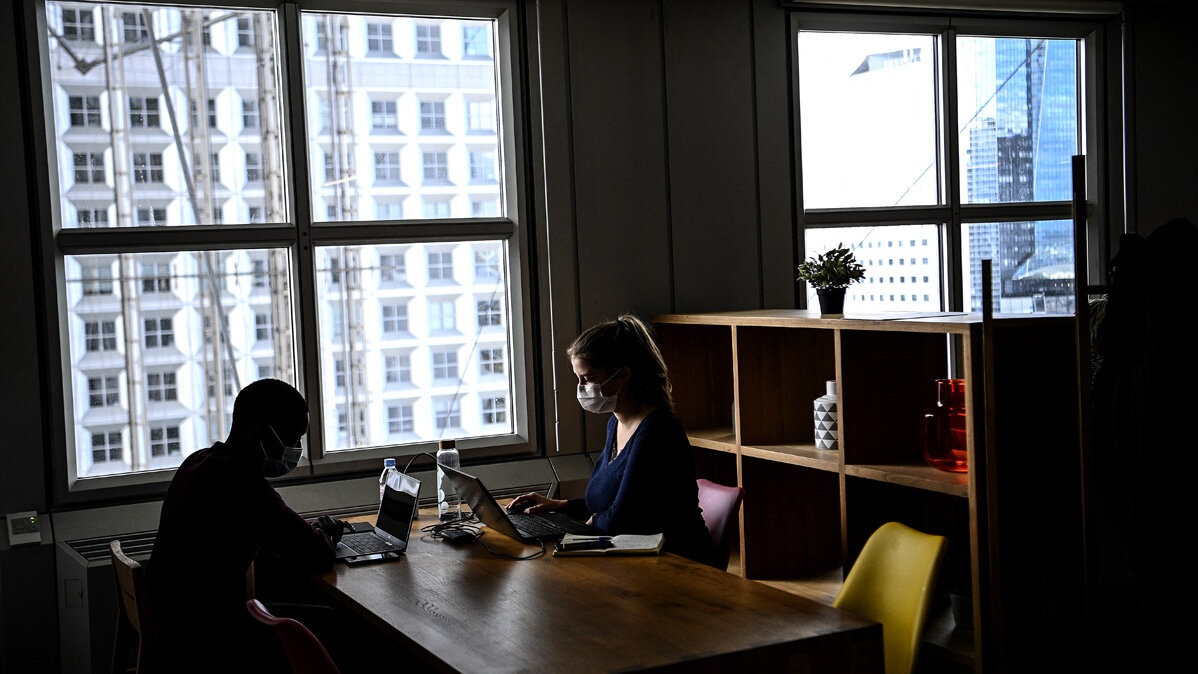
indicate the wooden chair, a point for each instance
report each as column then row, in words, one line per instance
column 720, row 505
column 304, row 651
column 892, row 583
column 134, row 621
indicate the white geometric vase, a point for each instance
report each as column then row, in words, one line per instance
column 826, row 429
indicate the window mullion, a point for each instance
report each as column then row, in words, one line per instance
column 951, row 254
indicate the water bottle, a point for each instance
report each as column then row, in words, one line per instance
column 389, row 471
column 449, row 506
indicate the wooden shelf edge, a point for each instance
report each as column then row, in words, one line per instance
column 720, row 438
column 911, row 475
column 798, row 455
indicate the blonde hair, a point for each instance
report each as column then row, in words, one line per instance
column 627, row 342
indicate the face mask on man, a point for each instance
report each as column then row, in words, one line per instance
column 591, row 397
column 282, row 466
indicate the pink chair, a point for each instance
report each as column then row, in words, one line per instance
column 720, row 505
column 304, row 650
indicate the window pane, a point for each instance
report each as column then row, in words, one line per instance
column 1032, row 268
column 868, row 119
column 902, row 266
column 396, row 333
column 102, row 137
column 139, row 319
column 362, row 146
column 1017, row 106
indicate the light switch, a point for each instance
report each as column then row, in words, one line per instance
column 24, row 528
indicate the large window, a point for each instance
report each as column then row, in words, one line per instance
column 924, row 176
column 172, row 301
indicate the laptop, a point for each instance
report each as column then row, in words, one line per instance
column 389, row 535
column 522, row 527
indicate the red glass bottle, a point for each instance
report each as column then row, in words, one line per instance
column 945, row 442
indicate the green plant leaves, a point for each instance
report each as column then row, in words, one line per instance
column 837, row 268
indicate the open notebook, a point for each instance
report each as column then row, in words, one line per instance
column 625, row 544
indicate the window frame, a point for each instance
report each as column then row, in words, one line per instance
column 1099, row 142
column 300, row 235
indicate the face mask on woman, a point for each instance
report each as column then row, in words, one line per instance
column 591, row 397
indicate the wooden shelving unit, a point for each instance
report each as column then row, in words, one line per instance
column 744, row 385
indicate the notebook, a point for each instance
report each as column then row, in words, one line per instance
column 389, row 536
column 625, row 544
column 520, row 526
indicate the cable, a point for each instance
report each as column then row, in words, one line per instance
column 471, row 525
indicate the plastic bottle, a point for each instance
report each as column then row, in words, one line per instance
column 389, row 470
column 449, row 506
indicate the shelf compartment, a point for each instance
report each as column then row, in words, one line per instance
column 950, row 648
column 779, row 373
column 719, row 438
column 700, row 362
column 791, row 520
column 913, row 475
column 798, row 455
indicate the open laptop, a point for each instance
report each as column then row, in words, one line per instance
column 520, row 526
column 389, row 536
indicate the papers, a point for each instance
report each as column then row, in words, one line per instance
column 626, row 544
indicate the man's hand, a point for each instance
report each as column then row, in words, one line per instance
column 331, row 526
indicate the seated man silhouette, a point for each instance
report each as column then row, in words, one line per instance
column 219, row 510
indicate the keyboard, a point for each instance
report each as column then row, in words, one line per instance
column 366, row 543
column 537, row 527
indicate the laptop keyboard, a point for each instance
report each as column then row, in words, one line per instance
column 531, row 525
column 365, row 544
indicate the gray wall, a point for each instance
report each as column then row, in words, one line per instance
column 664, row 184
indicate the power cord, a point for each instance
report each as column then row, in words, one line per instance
column 471, row 528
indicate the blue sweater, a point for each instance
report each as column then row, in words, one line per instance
column 649, row 487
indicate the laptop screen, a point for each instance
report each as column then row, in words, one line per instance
column 398, row 507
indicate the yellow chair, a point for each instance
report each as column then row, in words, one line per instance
column 892, row 583
column 135, row 622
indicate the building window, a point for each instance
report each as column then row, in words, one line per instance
column 482, row 167
column 388, row 210
column 107, row 447
column 486, row 265
column 480, row 116
column 79, row 24
column 155, row 277
column 395, row 319
column 160, row 386
column 379, row 41
column 400, row 419
column 432, row 117
column 442, row 316
column 386, row 167
column 494, row 410
column 397, row 369
column 484, row 208
column 1019, row 109
column 89, row 167
column 103, row 391
column 440, row 265
column 476, row 41
column 262, row 331
column 445, row 364
column 249, row 114
column 97, row 279
column 384, row 115
column 135, row 27
column 147, row 168
column 446, row 413
column 253, row 167
column 100, row 335
column 436, row 208
column 490, row 361
column 214, row 169
column 489, row 313
column 164, row 441
column 143, row 112
column 391, row 269
column 211, row 113
column 261, row 273
column 151, row 217
column 159, row 332
column 436, row 168
column 84, row 110
column 245, row 33
column 428, row 41
column 85, row 217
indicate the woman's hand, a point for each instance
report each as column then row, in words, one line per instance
column 536, row 503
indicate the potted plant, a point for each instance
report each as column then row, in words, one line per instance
column 830, row 273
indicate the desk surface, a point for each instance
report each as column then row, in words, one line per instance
column 462, row 609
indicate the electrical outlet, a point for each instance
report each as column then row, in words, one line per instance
column 24, row 528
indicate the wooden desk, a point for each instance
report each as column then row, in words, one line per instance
column 461, row 609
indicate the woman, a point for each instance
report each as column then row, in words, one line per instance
column 644, row 481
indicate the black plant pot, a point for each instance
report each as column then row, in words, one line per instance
column 831, row 300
